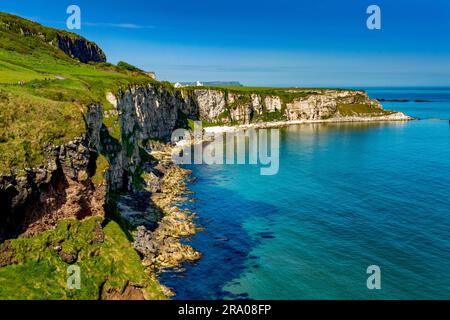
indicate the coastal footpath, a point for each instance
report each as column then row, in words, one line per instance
column 86, row 177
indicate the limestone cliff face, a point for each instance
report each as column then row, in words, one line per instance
column 322, row 105
column 146, row 113
column 37, row 200
column 273, row 103
column 154, row 111
column 220, row 106
column 210, row 103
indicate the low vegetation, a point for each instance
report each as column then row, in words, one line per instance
column 107, row 261
column 128, row 66
column 44, row 93
column 348, row 110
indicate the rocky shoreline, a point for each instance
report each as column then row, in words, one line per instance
column 162, row 248
column 97, row 156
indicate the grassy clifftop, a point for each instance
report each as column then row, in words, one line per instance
column 18, row 25
column 44, row 95
column 44, row 92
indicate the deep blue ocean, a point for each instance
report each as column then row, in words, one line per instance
column 346, row 196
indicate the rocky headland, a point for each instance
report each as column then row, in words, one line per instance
column 109, row 191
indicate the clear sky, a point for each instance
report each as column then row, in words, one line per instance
column 278, row 42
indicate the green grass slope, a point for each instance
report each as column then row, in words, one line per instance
column 108, row 264
column 43, row 96
column 43, row 92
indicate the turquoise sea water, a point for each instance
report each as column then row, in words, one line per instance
column 346, row 196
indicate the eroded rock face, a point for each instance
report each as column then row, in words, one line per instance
column 146, row 113
column 71, row 44
column 239, row 109
column 155, row 111
column 37, row 200
column 80, row 49
column 313, row 107
column 211, row 103
column 63, row 188
column 218, row 106
column 273, row 103
column 257, row 103
column 152, row 112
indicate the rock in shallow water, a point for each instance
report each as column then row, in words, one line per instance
column 161, row 248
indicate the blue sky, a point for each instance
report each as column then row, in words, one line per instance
column 278, row 42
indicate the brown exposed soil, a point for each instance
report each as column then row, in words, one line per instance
column 130, row 292
column 6, row 254
column 67, row 198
